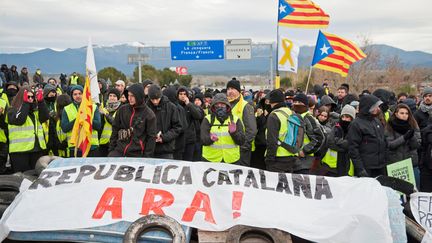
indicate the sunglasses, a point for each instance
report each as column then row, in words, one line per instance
column 30, row 96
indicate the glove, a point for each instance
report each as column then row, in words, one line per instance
column 125, row 134
column 408, row 135
column 232, row 127
column 213, row 137
column 362, row 173
column 25, row 98
column 39, row 95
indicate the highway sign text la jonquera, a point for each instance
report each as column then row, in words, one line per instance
column 197, row 50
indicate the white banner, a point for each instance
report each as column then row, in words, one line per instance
column 209, row 196
column 421, row 208
column 288, row 52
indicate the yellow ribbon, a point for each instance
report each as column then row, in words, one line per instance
column 287, row 46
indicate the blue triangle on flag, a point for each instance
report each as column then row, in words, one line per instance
column 322, row 49
column 284, row 9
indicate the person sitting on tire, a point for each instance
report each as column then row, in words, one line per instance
column 26, row 137
column 221, row 133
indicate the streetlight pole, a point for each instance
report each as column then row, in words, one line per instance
column 139, row 65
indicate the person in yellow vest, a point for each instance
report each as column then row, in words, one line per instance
column 50, row 128
column 336, row 161
column 53, row 82
column 221, row 133
column 246, row 113
column 10, row 90
column 108, row 113
column 26, row 138
column 277, row 157
column 69, row 114
column 61, row 102
column 314, row 136
column 3, row 139
column 73, row 80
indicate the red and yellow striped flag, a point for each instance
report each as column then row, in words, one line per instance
column 302, row 14
column 335, row 54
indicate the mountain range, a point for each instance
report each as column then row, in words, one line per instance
column 73, row 59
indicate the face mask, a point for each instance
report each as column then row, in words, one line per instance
column 289, row 104
column 344, row 124
column 11, row 92
column 51, row 99
column 221, row 112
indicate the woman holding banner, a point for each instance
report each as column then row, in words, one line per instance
column 403, row 138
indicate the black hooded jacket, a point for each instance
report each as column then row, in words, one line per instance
column 367, row 144
column 193, row 113
column 168, row 123
column 143, row 121
column 171, row 93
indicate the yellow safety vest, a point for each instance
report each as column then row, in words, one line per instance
column 106, row 132
column 3, row 138
column 237, row 110
column 72, row 113
column 387, row 116
column 282, row 152
column 330, row 159
column 224, row 149
column 22, row 138
column 74, row 80
column 5, row 98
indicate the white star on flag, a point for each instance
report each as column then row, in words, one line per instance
column 282, row 9
column 324, row 49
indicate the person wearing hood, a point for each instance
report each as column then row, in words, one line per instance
column 221, row 133
column 199, row 102
column 23, row 78
column 314, row 137
column 277, row 157
column 403, row 138
column 336, row 161
column 331, row 106
column 61, row 102
column 246, row 113
column 38, row 79
column 366, row 140
column 171, row 93
column 69, row 115
column 134, row 127
column 168, row 125
column 108, row 112
column 10, row 91
column 146, row 85
column 26, row 137
column 423, row 116
column 386, row 97
column 263, row 109
column 193, row 114
column 13, row 74
column 50, row 126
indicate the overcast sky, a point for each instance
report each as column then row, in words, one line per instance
column 28, row 25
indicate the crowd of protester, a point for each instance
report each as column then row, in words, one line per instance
column 315, row 132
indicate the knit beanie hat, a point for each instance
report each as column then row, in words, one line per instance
column 302, row 98
column 235, row 84
column 114, row 91
column 276, row 96
column 427, row 90
column 349, row 110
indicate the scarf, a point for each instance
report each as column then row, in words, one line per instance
column 399, row 126
column 426, row 108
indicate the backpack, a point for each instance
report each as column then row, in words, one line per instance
column 293, row 140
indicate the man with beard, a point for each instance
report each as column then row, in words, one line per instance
column 221, row 133
column 108, row 112
column 366, row 140
column 246, row 113
column 313, row 138
column 336, row 161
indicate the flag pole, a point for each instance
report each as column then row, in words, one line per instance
column 307, row 84
column 277, row 49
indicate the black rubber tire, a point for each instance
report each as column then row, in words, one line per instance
column 7, row 197
column 43, row 162
column 155, row 221
column 236, row 233
column 10, row 182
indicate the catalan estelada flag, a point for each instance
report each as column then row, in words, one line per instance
column 335, row 54
column 83, row 126
column 302, row 14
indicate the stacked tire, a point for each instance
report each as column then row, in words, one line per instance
column 9, row 188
